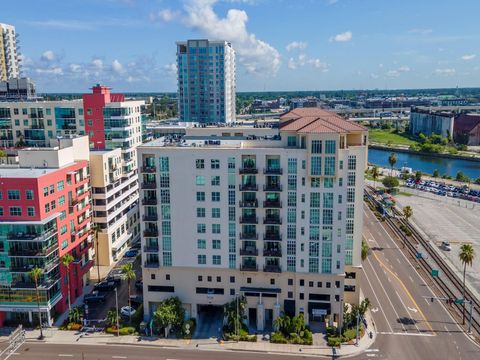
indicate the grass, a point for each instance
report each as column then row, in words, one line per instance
column 387, row 137
column 405, row 193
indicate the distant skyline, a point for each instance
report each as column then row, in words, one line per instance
column 68, row 46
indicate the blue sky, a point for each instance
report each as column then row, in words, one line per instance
column 68, row 45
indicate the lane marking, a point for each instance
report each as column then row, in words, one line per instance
column 398, row 260
column 118, row 357
column 404, row 334
column 428, row 302
column 407, row 309
column 410, row 278
column 372, row 355
column 372, row 350
column 65, row 355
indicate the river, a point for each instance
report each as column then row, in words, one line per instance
column 426, row 164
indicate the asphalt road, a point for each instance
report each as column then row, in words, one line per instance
column 409, row 325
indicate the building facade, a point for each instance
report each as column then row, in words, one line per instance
column 17, row 89
column 44, row 214
column 429, row 122
column 9, row 57
column 277, row 219
column 206, row 81
column 466, row 129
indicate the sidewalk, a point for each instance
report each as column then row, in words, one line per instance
column 78, row 302
column 55, row 336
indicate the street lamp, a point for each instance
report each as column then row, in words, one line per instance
column 116, row 307
column 237, row 325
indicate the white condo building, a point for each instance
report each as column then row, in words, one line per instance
column 9, row 58
column 276, row 218
column 206, row 81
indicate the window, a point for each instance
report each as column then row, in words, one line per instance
column 47, row 207
column 340, row 164
column 31, row 211
column 200, row 196
column 202, row 259
column 351, row 195
column 63, row 229
column 64, row 244
column 215, row 196
column 315, row 182
column 292, row 166
column 231, row 197
column 352, row 162
column 200, row 278
column 201, row 212
column 167, row 277
column 329, row 166
column 232, row 279
column 45, row 191
column 15, row 211
column 231, row 165
column 201, row 228
column 216, row 244
column 340, row 182
column 292, row 198
column 316, row 146
column 291, row 215
column 215, row 228
column 215, row 213
column 292, row 182
column 63, row 215
column 13, row 194
column 291, row 141
column 351, row 179
column 61, row 200
column 315, row 200
column 1, row 211
column 201, row 244
column 232, row 261
column 29, row 194
column 316, row 165
column 327, row 217
column 52, row 189
column 215, row 180
column 60, row 185
column 215, row 164
column 164, row 165
column 330, row 146
column 328, row 200
column 328, row 183
column 340, row 198
column 200, row 164
column 231, row 213
column 52, row 205
column 216, row 260
column 200, row 180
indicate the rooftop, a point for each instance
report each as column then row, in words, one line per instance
column 25, row 172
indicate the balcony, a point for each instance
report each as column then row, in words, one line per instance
column 31, row 236
column 272, row 236
column 28, row 267
column 149, row 201
column 248, row 220
column 275, row 220
column 272, row 268
column 248, row 187
column 150, row 232
column 248, row 170
column 151, row 264
column 249, row 251
column 149, row 185
column 248, row 204
column 32, row 252
column 151, row 217
column 272, row 252
column 149, row 169
column 248, row 236
column 273, row 171
column 150, row 248
column 248, row 267
column 274, row 204
column 272, row 187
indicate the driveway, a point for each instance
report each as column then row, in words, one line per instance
column 209, row 322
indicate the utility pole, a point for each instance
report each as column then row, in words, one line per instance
column 116, row 307
column 237, row 325
column 356, row 329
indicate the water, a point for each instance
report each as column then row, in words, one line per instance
column 426, row 164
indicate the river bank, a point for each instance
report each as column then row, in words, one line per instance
column 403, row 149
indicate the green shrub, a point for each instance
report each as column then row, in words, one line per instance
column 349, row 335
column 334, row 341
column 278, row 338
column 192, row 323
column 128, row 330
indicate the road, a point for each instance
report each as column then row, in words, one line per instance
column 409, row 325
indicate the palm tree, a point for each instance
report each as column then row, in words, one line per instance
column 96, row 229
column 392, row 160
column 129, row 275
column 74, row 315
column 407, row 212
column 35, row 275
column 112, row 317
column 66, row 260
column 375, row 175
column 466, row 255
column 364, row 250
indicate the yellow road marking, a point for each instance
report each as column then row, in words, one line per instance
column 406, row 290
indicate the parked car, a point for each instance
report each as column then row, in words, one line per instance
column 94, row 297
column 131, row 253
column 136, row 300
column 139, row 284
column 137, row 245
column 115, row 275
column 127, row 311
column 446, row 246
column 105, row 286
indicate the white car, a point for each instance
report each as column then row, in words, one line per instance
column 127, row 311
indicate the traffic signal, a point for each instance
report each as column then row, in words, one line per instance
column 431, row 299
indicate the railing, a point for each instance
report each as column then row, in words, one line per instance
column 272, row 236
column 251, row 204
column 272, row 252
column 149, row 185
column 150, row 232
column 272, row 220
column 272, row 204
column 32, row 252
column 150, row 248
column 249, row 267
column 151, row 264
column 272, row 187
column 273, row 171
column 153, row 217
column 248, row 220
column 248, row 187
column 149, row 169
column 248, row 170
column 151, row 201
column 272, row 268
column 31, row 236
column 248, row 236
column 249, row 252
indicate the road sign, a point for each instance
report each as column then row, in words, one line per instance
column 434, row 273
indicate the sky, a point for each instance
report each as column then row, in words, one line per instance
column 69, row 45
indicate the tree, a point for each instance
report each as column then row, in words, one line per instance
column 21, row 142
column 66, row 260
column 169, row 313
column 3, row 154
column 233, row 315
column 477, row 181
column 95, row 230
column 418, row 176
column 375, row 175
column 128, row 273
column 112, row 317
column 392, row 160
column 466, row 255
column 462, row 177
column 435, row 173
column 390, row 182
column 364, row 250
column 407, row 212
column 35, row 275
column 74, row 315
column 289, row 325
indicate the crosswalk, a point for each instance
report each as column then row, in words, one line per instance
column 371, row 353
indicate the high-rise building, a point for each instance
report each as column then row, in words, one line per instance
column 206, row 81
column 276, row 217
column 44, row 214
column 17, row 89
column 9, row 57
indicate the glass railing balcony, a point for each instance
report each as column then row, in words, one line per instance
column 248, row 170
column 272, row 252
column 31, row 236
column 272, row 268
column 149, row 201
column 32, row 252
column 273, row 171
column 272, row 187
column 149, row 185
column 248, row 187
column 249, row 267
column 248, row 203
column 150, row 232
column 151, row 248
column 149, row 169
column 248, row 220
column 272, row 219
column 249, row 251
column 248, row 236
column 273, row 236
column 272, row 204
column 150, row 217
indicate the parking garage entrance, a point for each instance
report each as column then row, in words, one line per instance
column 209, row 321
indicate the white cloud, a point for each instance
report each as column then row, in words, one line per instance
column 374, row 76
column 97, row 63
column 292, row 65
column 117, row 67
column 296, row 45
column 165, row 15
column 445, row 72
column 393, row 73
column 317, row 63
column 257, row 56
column 303, row 60
column 469, row 57
column 48, row 55
column 57, row 70
column 75, row 68
column 404, row 68
column 171, row 68
column 397, row 72
column 342, row 37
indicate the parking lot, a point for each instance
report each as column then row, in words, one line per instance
column 442, row 189
column 451, row 220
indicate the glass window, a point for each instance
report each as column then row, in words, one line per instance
column 329, row 166
column 200, row 180
column 31, row 211
column 340, row 164
column 29, row 194
column 13, row 194
column 63, row 215
column 215, row 180
column 216, row 244
column 352, row 162
column 1, row 210
column 316, row 146
column 327, row 216
column 330, row 147
column 232, row 261
column 202, row 259
column 60, row 185
column 292, row 140
column 201, row 244
column 200, row 196
column 52, row 189
column 164, row 165
column 215, row 212
column 292, row 198
column 201, row 212
column 216, row 260
column 292, row 166
column 316, row 165
column 351, row 179
column 291, row 215
column 61, row 200
column 215, row 164
column 200, row 164
column 315, row 216
column 351, row 195
column 215, row 228
column 64, row 244
column 315, row 182
column 292, row 182
column 201, row 228
column 328, row 200
column 15, row 211
column 215, row 196
column 47, row 207
column 315, row 200
column 231, row 164
column 231, row 213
